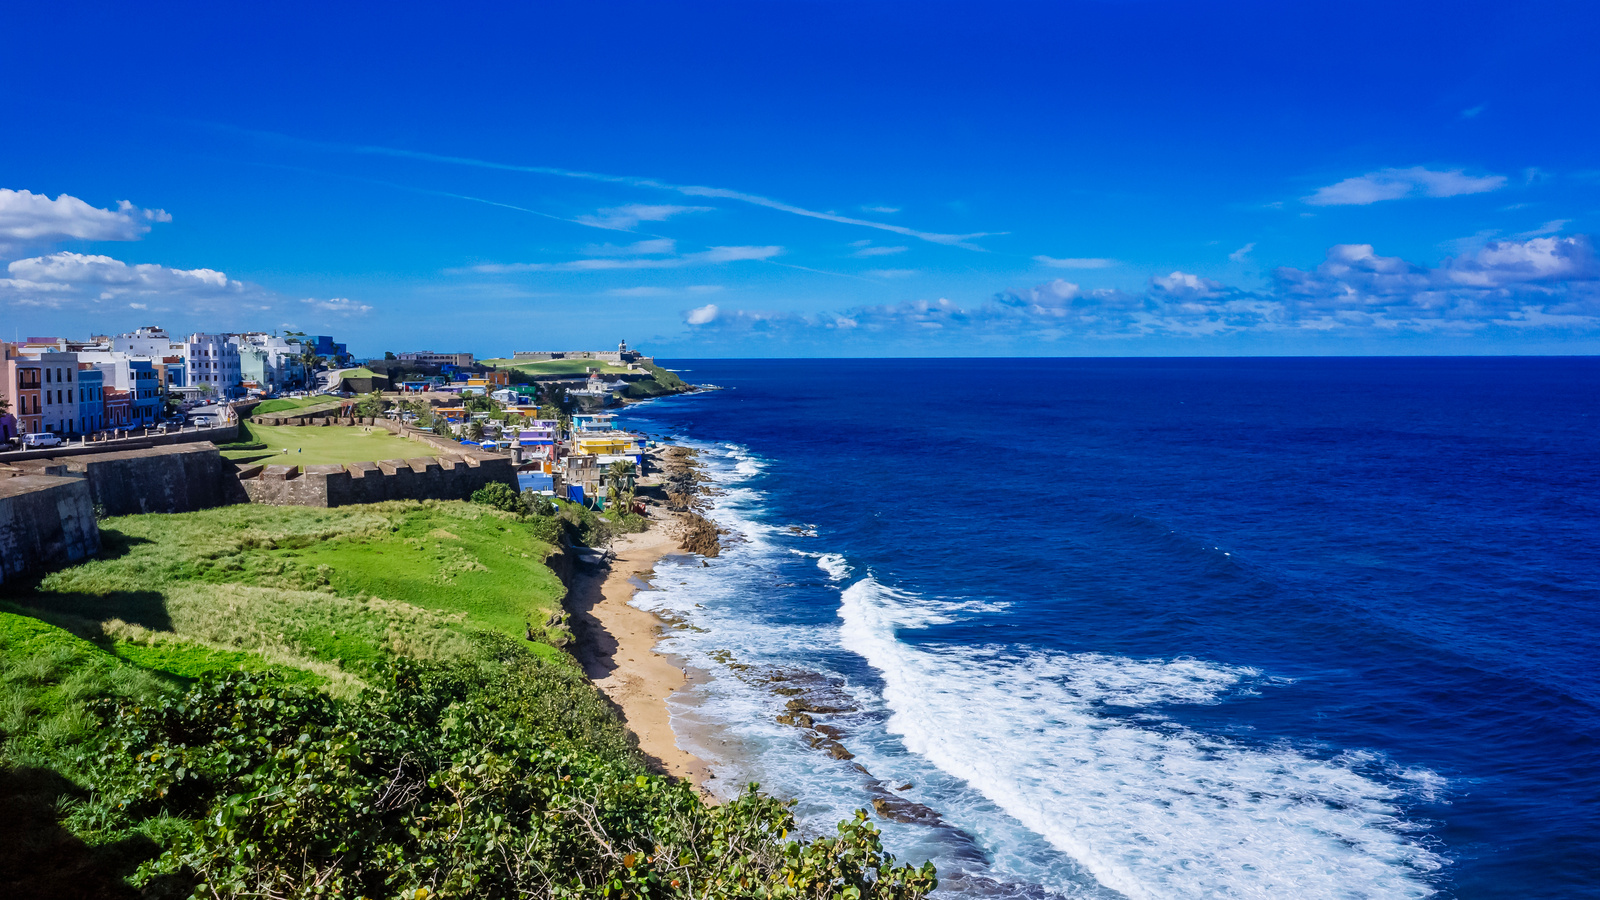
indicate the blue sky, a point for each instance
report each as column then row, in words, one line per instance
column 799, row 179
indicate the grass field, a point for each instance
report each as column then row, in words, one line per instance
column 288, row 404
column 321, row 596
column 558, row 366
column 315, row 445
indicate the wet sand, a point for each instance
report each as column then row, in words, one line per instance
column 616, row 645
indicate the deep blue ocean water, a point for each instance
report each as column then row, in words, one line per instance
column 1165, row 628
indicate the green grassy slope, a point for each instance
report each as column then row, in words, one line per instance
column 327, row 594
column 558, row 366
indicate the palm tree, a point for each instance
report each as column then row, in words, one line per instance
column 621, row 493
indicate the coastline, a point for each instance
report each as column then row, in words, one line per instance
column 615, row 645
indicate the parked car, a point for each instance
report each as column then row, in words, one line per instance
column 205, row 421
column 41, row 439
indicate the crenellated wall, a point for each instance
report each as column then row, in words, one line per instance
column 419, row 478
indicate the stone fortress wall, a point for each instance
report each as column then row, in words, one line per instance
column 46, row 522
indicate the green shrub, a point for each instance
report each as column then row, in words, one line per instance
column 437, row 786
column 501, row 496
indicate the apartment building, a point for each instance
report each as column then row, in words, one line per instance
column 212, row 361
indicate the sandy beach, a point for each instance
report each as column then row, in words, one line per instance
column 616, row 644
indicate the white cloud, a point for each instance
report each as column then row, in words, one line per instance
column 1544, row 282
column 866, row 252
column 1240, row 254
column 1553, row 226
column 886, row 210
column 1082, row 262
column 709, row 256
column 1183, row 284
column 625, row 218
column 686, row 190
column 892, row 273
column 29, row 218
column 81, row 269
column 702, row 315
column 65, row 280
column 653, row 247
column 342, row 306
column 1393, row 184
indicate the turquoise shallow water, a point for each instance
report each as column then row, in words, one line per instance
column 1166, row 628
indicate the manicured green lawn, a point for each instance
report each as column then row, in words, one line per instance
column 315, row 445
column 286, row 404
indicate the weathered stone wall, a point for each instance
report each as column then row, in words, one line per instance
column 220, row 434
column 420, row 478
column 45, row 522
column 179, row 478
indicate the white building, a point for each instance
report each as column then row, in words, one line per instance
column 58, row 389
column 149, row 342
column 213, row 361
column 270, row 361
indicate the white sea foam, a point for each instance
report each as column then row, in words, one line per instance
column 1061, row 766
column 1151, row 810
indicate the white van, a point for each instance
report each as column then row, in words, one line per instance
column 41, row 439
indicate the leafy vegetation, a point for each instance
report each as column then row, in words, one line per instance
column 286, row 702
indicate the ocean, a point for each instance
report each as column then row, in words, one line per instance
column 1170, row 628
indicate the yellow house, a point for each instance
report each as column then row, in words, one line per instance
column 607, row 443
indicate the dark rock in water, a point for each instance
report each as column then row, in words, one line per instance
column 836, row 749
column 704, row 564
column 905, row 787
column 798, row 720
column 829, row 730
column 787, row 692
column 905, row 812
column 808, row 706
column 700, row 537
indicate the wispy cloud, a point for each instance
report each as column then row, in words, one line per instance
column 1472, row 112
column 626, row 218
column 893, row 273
column 651, row 247
column 1394, row 184
column 1240, row 254
column 687, row 190
column 341, row 306
column 641, row 291
column 1553, row 226
column 1079, row 262
column 868, row 252
column 709, row 256
column 884, row 210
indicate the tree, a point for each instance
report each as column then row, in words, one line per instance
column 620, row 476
column 475, row 430
column 389, row 354
column 372, row 405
